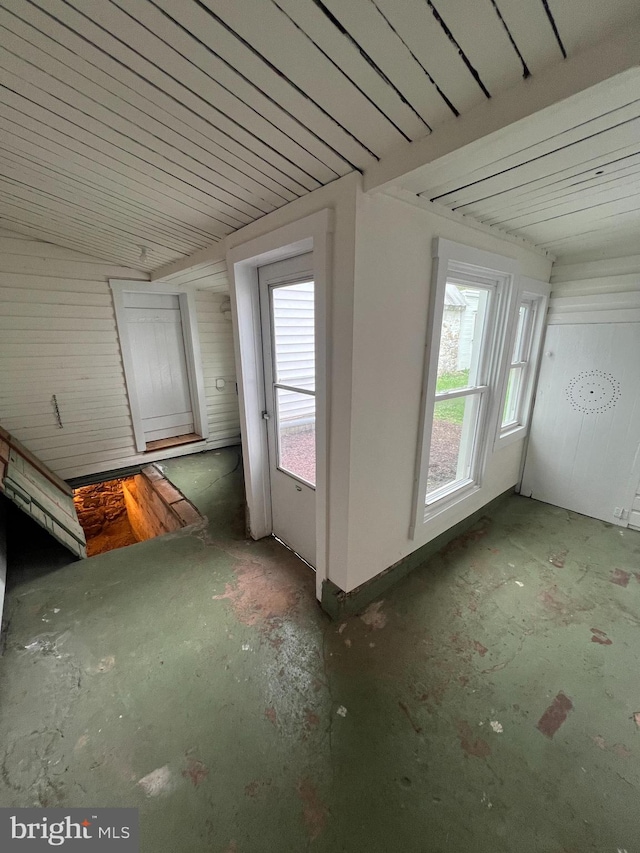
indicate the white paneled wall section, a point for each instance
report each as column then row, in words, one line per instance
column 589, row 289
column 58, row 337
column 595, row 291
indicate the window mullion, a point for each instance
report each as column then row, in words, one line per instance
column 461, row 392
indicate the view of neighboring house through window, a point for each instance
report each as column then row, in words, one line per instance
column 461, row 385
column 294, row 374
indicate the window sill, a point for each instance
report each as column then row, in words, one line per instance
column 511, row 434
column 447, row 501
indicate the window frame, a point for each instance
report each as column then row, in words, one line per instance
column 480, row 389
column 450, row 261
column 536, row 293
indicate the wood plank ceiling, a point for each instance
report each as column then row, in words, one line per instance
column 570, row 189
column 142, row 130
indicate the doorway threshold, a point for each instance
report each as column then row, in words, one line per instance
column 176, row 441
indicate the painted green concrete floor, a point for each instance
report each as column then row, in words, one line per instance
column 195, row 677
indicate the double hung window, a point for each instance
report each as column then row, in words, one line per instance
column 462, row 384
column 470, row 297
column 527, row 330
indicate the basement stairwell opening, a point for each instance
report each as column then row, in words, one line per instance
column 120, row 512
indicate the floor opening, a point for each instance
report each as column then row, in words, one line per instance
column 120, row 512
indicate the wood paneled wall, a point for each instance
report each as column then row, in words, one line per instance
column 58, row 336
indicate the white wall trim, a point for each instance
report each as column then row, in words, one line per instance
column 191, row 346
column 619, row 307
column 310, row 234
column 627, row 315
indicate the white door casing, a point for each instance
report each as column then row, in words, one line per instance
column 583, row 452
column 309, row 234
column 287, row 315
column 175, row 380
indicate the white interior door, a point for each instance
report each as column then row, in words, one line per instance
column 584, row 447
column 154, row 323
column 287, row 304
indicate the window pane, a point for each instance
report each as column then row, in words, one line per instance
column 452, row 439
column 296, row 434
column 461, row 337
column 293, row 335
column 523, row 312
column 511, row 403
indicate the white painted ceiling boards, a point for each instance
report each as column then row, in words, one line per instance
column 167, row 124
column 568, row 181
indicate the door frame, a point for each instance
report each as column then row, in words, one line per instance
column 310, row 234
column 192, row 353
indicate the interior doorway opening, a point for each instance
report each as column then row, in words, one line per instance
column 123, row 511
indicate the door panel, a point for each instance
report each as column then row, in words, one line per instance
column 287, row 297
column 38, row 492
column 154, row 324
column 584, row 442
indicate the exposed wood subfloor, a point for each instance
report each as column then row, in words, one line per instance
column 164, row 443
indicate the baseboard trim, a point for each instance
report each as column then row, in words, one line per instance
column 338, row 604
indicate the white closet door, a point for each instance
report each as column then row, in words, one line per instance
column 584, row 448
column 154, row 323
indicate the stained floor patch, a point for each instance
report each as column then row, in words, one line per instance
column 314, row 811
column 470, row 742
column 555, row 715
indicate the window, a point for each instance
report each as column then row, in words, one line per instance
column 470, row 296
column 461, row 385
column 527, row 325
column 519, row 367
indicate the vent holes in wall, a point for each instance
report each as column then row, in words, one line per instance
column 593, row 392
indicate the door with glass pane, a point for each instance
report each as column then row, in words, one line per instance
column 288, row 335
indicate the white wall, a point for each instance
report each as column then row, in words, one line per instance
column 58, row 336
column 588, row 288
column 392, row 281
column 378, row 304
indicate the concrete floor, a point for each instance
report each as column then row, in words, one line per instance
column 486, row 704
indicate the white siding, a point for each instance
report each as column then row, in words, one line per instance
column 58, row 336
column 218, row 363
column 296, row 348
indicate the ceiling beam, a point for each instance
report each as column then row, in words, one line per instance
column 481, row 128
column 208, row 255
